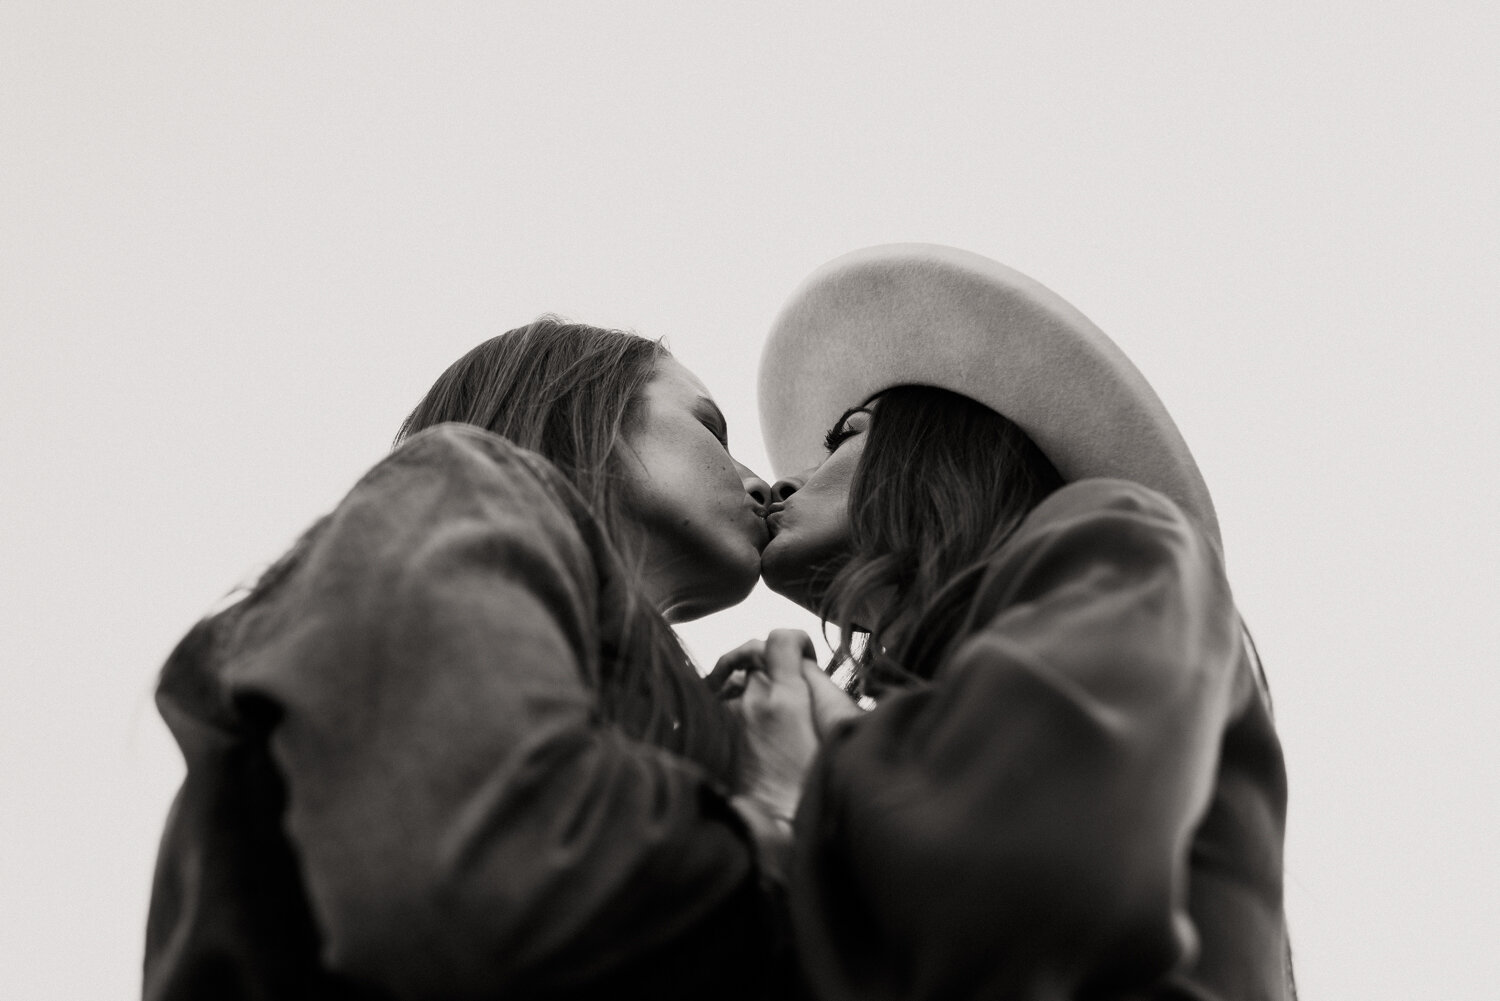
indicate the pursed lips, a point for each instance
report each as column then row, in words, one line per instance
column 774, row 511
column 758, row 512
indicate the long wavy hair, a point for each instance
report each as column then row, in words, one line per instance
column 943, row 482
column 571, row 392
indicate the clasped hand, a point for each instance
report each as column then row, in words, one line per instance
column 787, row 705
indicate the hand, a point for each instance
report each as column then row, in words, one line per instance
column 730, row 674
column 764, row 684
column 777, row 710
column 831, row 705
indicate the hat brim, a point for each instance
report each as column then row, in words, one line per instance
column 922, row 314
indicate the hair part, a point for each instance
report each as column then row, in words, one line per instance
column 943, row 483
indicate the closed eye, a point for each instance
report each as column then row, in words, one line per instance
column 836, row 436
column 842, row 431
column 711, row 417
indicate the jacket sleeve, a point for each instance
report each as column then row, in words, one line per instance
column 465, row 822
column 1021, row 826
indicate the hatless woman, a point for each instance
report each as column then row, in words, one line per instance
column 449, row 746
column 1071, row 785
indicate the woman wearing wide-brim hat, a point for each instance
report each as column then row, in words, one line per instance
column 1071, row 784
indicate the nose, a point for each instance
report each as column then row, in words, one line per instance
column 784, row 488
column 754, row 486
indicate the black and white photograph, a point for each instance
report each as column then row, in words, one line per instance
column 822, row 501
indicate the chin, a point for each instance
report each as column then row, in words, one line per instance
column 733, row 579
column 789, row 576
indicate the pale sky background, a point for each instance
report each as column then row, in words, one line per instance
column 237, row 243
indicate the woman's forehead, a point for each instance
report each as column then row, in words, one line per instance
column 676, row 381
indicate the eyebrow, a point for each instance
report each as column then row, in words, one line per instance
column 709, row 410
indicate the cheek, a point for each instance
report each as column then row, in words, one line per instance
column 827, row 494
column 830, row 519
column 822, row 519
column 689, row 484
column 711, row 477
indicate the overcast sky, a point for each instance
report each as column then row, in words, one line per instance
column 237, row 243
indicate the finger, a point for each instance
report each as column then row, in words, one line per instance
column 760, row 687
column 802, row 638
column 778, row 721
column 785, row 651
column 831, row 705
column 742, row 655
column 734, row 685
column 766, row 698
column 748, row 656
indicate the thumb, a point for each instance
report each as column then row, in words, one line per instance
column 785, row 651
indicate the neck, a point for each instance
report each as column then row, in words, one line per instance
column 673, row 605
column 666, row 580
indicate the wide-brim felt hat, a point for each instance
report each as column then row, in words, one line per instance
column 922, row 314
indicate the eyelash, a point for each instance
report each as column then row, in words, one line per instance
column 840, row 432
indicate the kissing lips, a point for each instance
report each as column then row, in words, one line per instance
column 774, row 512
